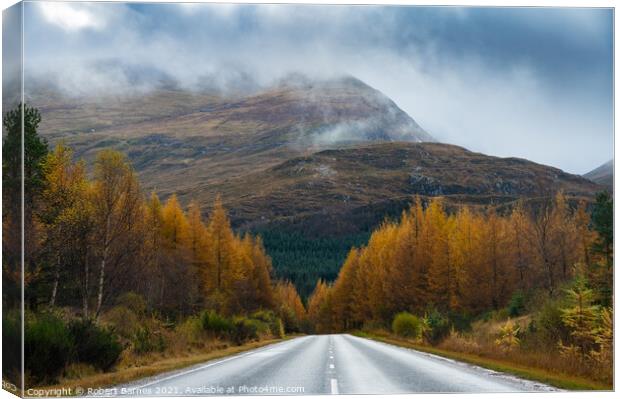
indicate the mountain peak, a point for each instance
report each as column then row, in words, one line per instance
column 603, row 175
column 343, row 110
column 303, row 81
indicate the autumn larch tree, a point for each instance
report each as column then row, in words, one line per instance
column 220, row 271
column 290, row 308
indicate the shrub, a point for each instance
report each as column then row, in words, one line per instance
column 516, row 306
column 144, row 341
column 263, row 315
column 461, row 322
column 217, row 325
column 501, row 314
column 48, row 347
column 122, row 320
column 246, row 330
column 133, row 302
column 94, row 344
column 437, row 327
column 305, row 326
column 548, row 325
column 289, row 319
column 276, row 327
column 262, row 328
column 191, row 330
column 604, row 356
column 487, row 316
column 11, row 343
column 507, row 337
column 204, row 319
column 407, row 325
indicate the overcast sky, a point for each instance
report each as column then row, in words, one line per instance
column 526, row 82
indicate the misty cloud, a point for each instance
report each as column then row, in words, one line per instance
column 527, row 82
column 357, row 131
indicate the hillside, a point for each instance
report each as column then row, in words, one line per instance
column 339, row 180
column 313, row 166
column 603, row 175
column 178, row 139
column 301, row 111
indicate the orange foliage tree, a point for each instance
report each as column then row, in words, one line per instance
column 113, row 240
column 466, row 262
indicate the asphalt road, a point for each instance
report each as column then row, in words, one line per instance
column 327, row 364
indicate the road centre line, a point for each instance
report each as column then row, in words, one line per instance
column 334, row 386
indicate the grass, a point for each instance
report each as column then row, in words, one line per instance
column 558, row 380
column 157, row 367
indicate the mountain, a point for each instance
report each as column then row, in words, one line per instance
column 304, row 111
column 603, row 175
column 178, row 139
column 312, row 165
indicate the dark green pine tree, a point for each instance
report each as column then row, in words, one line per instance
column 603, row 223
column 601, row 275
column 35, row 150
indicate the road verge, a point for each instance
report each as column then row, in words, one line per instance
column 122, row 376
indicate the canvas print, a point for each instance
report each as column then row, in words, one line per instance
column 203, row 199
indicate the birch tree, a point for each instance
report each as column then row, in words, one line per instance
column 62, row 209
column 117, row 209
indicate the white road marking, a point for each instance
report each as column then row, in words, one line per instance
column 331, row 357
column 331, row 366
column 334, row 384
column 267, row 353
